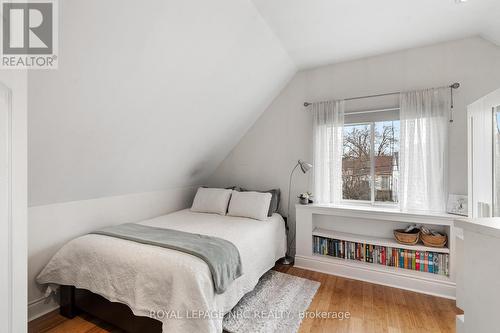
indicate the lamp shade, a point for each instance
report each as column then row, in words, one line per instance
column 304, row 166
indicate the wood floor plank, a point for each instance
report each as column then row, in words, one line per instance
column 75, row 325
column 46, row 322
column 373, row 308
column 355, row 307
column 392, row 308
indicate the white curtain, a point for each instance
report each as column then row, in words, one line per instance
column 327, row 160
column 424, row 149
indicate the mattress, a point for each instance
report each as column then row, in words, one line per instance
column 174, row 287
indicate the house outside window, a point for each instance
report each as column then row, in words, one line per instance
column 370, row 162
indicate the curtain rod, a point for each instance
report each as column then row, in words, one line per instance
column 455, row 85
column 354, row 113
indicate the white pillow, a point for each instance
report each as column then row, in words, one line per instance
column 211, row 200
column 254, row 205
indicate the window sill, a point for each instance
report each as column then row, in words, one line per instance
column 376, row 212
column 369, row 204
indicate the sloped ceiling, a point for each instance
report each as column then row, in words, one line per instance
column 318, row 32
column 154, row 94
column 148, row 95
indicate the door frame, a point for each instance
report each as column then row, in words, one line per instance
column 6, row 234
column 13, row 201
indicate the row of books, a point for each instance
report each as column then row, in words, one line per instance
column 423, row 261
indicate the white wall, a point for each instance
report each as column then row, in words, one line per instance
column 283, row 133
column 13, row 225
column 51, row 226
column 149, row 95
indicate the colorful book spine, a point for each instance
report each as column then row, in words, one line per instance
column 435, row 265
column 424, row 261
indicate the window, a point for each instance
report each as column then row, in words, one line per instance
column 370, row 165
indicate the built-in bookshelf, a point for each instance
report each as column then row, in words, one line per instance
column 381, row 251
column 360, row 245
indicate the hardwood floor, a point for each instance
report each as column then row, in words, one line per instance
column 373, row 308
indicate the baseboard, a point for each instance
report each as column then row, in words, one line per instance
column 429, row 286
column 460, row 323
column 41, row 307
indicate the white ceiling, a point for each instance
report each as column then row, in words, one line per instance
column 318, row 32
column 149, row 95
column 154, row 94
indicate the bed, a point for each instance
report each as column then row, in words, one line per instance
column 173, row 287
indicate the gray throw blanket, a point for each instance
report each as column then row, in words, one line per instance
column 221, row 256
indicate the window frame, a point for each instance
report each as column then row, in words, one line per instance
column 371, row 202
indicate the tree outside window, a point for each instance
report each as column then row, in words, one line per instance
column 370, row 165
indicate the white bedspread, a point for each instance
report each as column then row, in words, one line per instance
column 168, row 283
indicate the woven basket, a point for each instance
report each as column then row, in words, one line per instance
column 433, row 241
column 407, row 238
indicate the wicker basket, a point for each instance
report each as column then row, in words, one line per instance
column 407, row 238
column 433, row 241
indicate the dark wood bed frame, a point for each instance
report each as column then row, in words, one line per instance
column 74, row 301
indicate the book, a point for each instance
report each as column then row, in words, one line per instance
column 436, row 263
column 424, row 261
column 417, row 260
